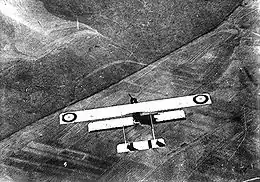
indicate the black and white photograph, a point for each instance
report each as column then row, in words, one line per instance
column 129, row 90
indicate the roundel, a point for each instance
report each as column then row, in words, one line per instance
column 200, row 99
column 69, row 117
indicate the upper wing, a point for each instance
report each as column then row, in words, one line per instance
column 122, row 110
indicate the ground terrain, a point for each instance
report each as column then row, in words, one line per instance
column 151, row 51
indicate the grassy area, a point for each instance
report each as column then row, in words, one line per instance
column 129, row 30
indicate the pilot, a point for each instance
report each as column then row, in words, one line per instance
column 138, row 119
column 132, row 99
column 137, row 115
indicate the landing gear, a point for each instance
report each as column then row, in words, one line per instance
column 141, row 145
column 130, row 146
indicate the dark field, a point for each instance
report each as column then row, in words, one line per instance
column 151, row 50
column 52, row 71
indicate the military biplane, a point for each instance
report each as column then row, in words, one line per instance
column 143, row 113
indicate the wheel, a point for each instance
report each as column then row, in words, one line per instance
column 69, row 117
column 200, row 99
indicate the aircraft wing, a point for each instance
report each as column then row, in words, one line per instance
column 110, row 124
column 123, row 110
column 129, row 121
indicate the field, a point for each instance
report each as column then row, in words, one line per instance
column 49, row 67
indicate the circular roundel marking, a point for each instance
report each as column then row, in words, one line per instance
column 200, row 99
column 69, row 117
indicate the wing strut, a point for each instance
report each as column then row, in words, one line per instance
column 124, row 134
column 152, row 127
column 77, row 23
column 141, row 145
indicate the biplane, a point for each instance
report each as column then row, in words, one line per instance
column 135, row 113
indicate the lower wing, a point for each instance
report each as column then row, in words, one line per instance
column 129, row 121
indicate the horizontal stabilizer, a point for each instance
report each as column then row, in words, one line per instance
column 140, row 145
column 142, row 107
column 111, row 123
